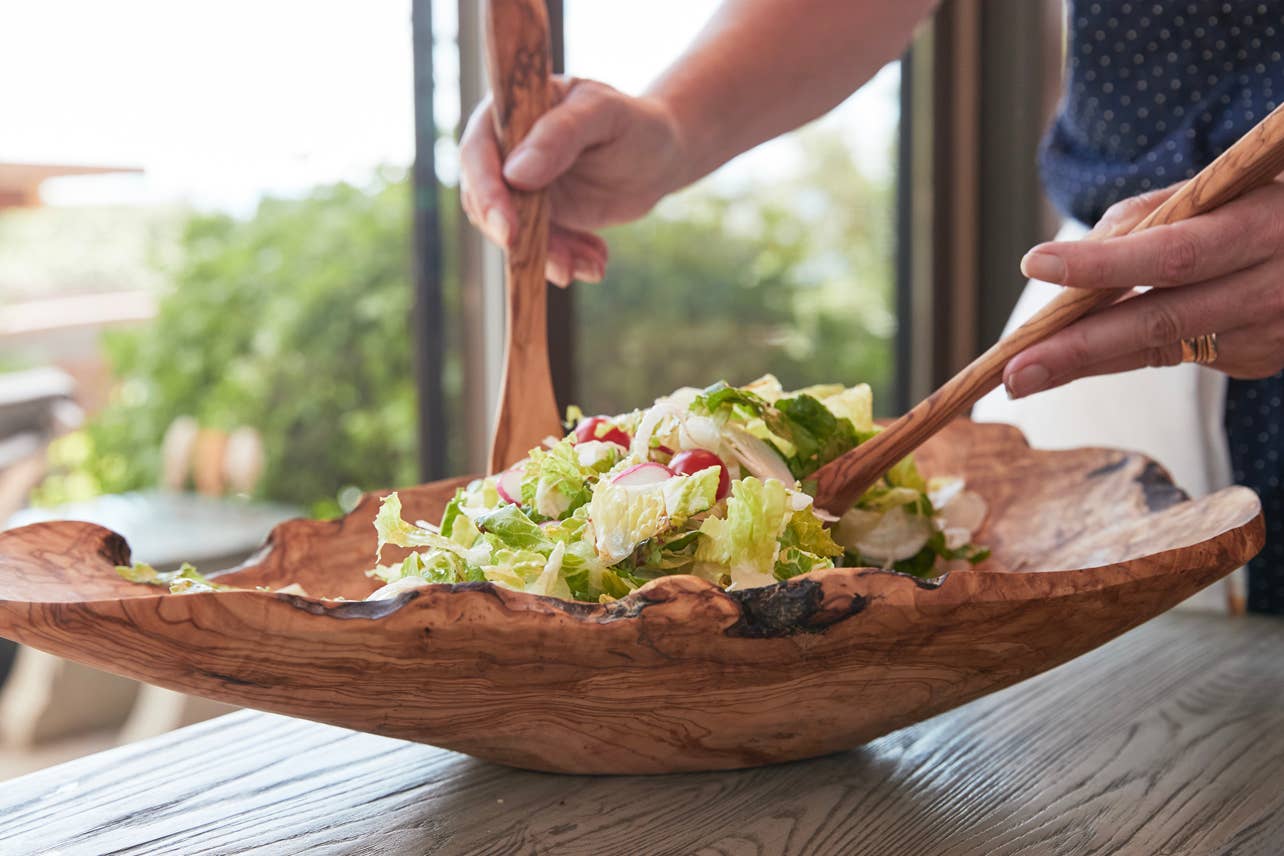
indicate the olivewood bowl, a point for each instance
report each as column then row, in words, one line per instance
column 678, row 676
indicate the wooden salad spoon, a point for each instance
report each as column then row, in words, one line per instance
column 1252, row 162
column 519, row 61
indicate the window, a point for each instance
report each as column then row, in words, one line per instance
column 782, row 261
column 247, row 239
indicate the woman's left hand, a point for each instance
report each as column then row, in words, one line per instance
column 1220, row 273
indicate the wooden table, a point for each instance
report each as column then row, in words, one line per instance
column 1170, row 740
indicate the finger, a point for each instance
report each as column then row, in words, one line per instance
column 584, row 244
column 582, row 253
column 559, row 268
column 1168, row 355
column 1251, row 351
column 1121, row 217
column 586, row 117
column 489, row 204
column 1238, row 235
column 1241, row 353
column 1150, row 321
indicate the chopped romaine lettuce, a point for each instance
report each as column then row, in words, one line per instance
column 185, row 580
column 746, row 541
column 578, row 533
column 623, row 517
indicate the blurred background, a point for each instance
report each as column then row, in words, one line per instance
column 236, row 285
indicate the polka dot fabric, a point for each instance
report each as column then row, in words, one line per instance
column 1154, row 92
column 1254, row 416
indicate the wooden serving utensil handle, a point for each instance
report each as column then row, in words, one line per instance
column 519, row 62
column 1253, row 161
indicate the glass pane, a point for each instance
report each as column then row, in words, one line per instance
column 782, row 261
column 248, row 269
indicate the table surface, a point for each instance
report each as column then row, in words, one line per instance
column 1169, row 740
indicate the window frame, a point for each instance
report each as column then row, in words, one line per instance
column 968, row 203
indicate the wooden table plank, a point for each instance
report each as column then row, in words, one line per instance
column 1169, row 740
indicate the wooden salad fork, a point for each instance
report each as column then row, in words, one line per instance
column 1252, row 162
column 519, row 61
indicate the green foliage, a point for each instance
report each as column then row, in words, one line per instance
column 295, row 322
column 795, row 278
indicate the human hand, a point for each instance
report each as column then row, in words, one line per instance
column 604, row 157
column 1220, row 272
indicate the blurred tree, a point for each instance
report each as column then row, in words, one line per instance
column 297, row 322
column 794, row 278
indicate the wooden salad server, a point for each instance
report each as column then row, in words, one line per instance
column 1252, row 162
column 519, row 61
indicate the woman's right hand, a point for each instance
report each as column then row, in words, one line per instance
column 603, row 156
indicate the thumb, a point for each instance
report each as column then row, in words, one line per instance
column 586, row 117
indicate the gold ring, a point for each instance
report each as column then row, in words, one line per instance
column 1201, row 349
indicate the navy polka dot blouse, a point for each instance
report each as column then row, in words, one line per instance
column 1154, row 92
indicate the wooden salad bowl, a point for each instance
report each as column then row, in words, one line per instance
column 678, row 676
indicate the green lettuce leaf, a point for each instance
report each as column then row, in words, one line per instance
column 925, row 562
column 686, row 496
column 393, row 529
column 802, row 429
column 905, row 474
column 721, row 394
column 624, row 517
column 436, row 566
column 664, row 554
column 553, row 482
column 807, row 532
column 509, row 527
column 745, row 541
column 185, row 580
column 791, row 562
column 817, row 435
column 855, row 404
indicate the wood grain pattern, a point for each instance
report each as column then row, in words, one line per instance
column 519, row 62
column 1253, row 161
column 1168, row 740
column 678, row 676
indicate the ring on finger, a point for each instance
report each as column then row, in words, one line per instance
column 1200, row 349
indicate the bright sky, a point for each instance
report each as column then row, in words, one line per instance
column 222, row 102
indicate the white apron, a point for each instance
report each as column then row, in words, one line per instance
column 1173, row 415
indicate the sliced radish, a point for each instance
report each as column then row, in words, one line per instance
column 509, row 484
column 643, row 474
column 966, row 510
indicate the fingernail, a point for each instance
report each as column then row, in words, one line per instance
column 523, row 166
column 588, row 270
column 497, row 223
column 1044, row 266
column 557, row 273
column 1027, row 381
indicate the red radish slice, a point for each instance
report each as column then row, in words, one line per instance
column 509, row 484
column 600, row 428
column 639, row 475
column 692, row 461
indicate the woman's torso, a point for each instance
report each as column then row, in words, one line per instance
column 1154, row 91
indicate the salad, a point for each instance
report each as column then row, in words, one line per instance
column 712, row 482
